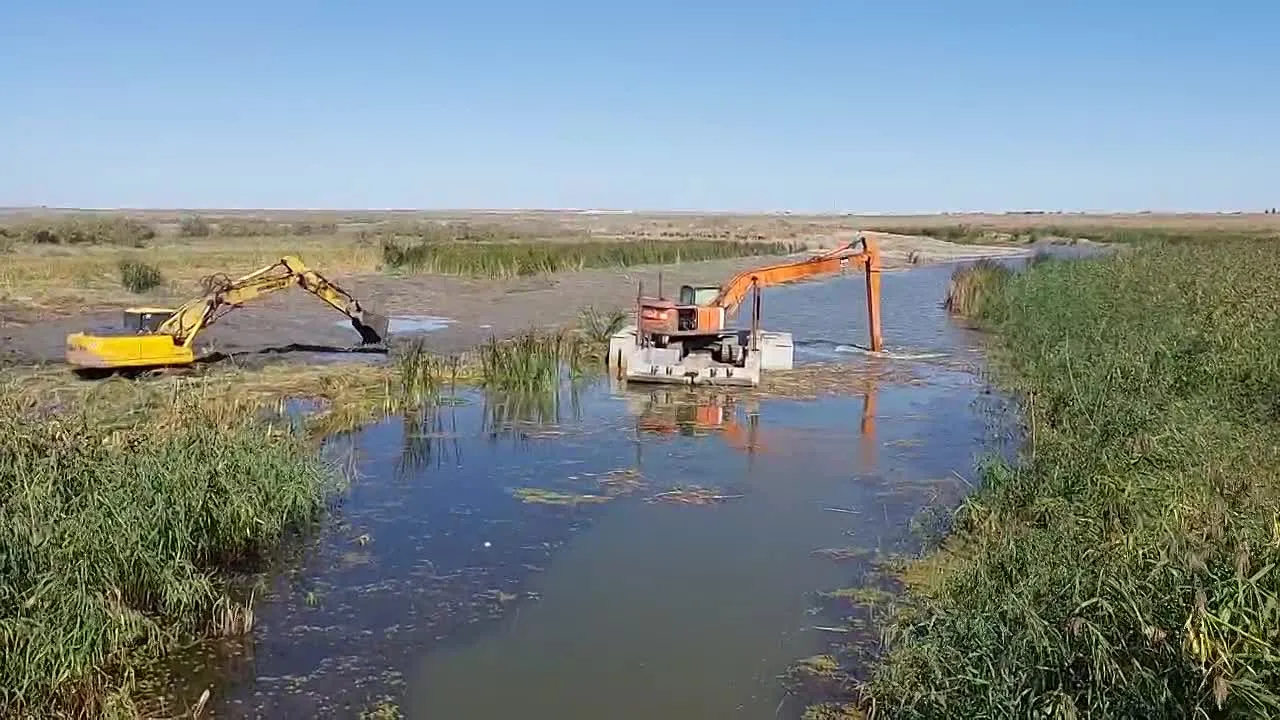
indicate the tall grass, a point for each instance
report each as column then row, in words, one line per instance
column 530, row 258
column 597, row 325
column 114, row 230
column 116, row 543
column 958, row 233
column 1127, row 565
column 250, row 227
column 1142, row 235
column 422, row 375
column 532, row 362
column 139, row 277
column 438, row 232
column 973, row 285
column 965, row 233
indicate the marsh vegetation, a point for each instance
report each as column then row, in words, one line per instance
column 506, row 260
column 973, row 285
column 1030, row 231
column 119, row 542
column 1125, row 565
column 139, row 277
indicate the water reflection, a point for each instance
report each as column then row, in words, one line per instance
column 733, row 417
column 428, row 440
column 507, row 413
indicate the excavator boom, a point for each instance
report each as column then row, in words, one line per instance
column 167, row 337
column 663, row 317
column 735, row 291
column 688, row 341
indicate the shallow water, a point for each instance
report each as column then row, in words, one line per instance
column 433, row 584
column 412, row 323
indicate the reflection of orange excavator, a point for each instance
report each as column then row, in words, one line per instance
column 687, row 341
column 668, row 413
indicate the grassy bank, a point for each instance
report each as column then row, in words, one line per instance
column 73, row 278
column 980, row 233
column 530, row 258
column 1126, row 566
column 349, row 394
column 118, row 538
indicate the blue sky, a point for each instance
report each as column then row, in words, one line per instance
column 808, row 106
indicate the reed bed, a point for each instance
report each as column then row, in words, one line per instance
column 506, row 260
column 139, row 277
column 973, row 233
column 1127, row 564
column 973, row 285
column 113, row 230
column 117, row 542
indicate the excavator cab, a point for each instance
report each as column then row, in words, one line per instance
column 694, row 313
column 698, row 294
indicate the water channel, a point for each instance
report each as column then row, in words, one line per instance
column 434, row 584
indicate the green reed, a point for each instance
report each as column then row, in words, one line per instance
column 514, row 259
column 115, row 543
column 1126, row 565
column 974, row 284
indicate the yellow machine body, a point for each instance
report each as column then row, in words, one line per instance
column 123, row 351
column 163, row 337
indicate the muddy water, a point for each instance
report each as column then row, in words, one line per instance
column 434, row 584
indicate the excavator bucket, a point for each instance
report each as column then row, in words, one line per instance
column 373, row 327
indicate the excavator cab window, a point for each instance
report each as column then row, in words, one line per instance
column 145, row 320
column 698, row 294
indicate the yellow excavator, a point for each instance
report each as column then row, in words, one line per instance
column 161, row 337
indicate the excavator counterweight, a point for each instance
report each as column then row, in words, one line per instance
column 163, row 337
column 687, row 341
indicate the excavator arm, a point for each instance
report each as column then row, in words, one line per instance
column 735, row 291
column 188, row 320
column 172, row 340
column 663, row 318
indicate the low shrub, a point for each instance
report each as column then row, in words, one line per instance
column 139, row 277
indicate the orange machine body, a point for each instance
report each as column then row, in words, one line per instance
column 668, row 319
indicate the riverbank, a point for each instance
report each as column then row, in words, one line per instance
column 119, row 539
column 1125, row 565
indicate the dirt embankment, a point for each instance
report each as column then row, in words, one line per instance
column 474, row 309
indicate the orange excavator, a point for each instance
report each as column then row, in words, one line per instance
column 687, row 340
column 663, row 413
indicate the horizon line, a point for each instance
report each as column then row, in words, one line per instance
column 632, row 211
